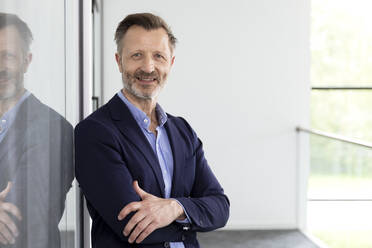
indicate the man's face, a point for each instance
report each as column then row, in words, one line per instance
column 13, row 63
column 145, row 61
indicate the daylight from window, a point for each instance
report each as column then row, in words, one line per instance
column 340, row 183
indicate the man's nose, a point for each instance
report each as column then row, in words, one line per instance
column 148, row 65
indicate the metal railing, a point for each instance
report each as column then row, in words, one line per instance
column 341, row 88
column 335, row 137
column 342, row 139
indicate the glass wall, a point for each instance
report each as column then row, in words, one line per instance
column 38, row 110
column 340, row 193
column 340, row 196
column 341, row 43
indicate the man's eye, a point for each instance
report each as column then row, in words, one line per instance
column 136, row 55
column 9, row 56
column 159, row 56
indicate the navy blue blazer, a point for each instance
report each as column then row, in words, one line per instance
column 111, row 152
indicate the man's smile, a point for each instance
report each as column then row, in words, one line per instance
column 5, row 81
column 146, row 80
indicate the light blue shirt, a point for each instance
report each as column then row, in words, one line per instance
column 160, row 144
column 8, row 117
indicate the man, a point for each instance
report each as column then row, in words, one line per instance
column 35, row 150
column 143, row 171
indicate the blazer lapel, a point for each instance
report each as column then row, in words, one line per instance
column 16, row 134
column 11, row 147
column 128, row 126
column 178, row 157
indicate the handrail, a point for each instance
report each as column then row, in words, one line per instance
column 335, row 137
column 339, row 199
column 341, row 88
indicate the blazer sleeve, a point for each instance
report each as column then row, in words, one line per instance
column 106, row 181
column 207, row 207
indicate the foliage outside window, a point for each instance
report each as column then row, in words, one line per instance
column 341, row 50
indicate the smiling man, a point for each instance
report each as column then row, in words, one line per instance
column 143, row 171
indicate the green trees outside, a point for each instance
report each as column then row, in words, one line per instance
column 341, row 42
column 341, row 50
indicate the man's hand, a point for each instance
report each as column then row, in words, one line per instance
column 8, row 230
column 152, row 213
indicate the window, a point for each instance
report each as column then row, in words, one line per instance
column 340, row 183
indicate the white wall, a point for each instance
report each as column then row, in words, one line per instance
column 241, row 78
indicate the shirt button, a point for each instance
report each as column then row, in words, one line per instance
column 145, row 120
column 186, row 228
column 166, row 245
column 183, row 238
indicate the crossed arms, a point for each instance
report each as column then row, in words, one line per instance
column 133, row 214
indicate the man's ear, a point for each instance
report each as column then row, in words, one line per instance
column 118, row 61
column 27, row 62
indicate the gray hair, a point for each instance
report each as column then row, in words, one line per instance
column 146, row 20
column 7, row 20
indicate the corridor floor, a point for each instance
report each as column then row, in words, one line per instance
column 255, row 239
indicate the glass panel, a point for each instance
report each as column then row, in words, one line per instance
column 37, row 207
column 341, row 48
column 341, row 42
column 341, row 224
column 339, row 170
column 343, row 112
column 342, row 172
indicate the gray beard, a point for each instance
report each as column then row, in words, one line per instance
column 129, row 87
column 15, row 89
column 136, row 94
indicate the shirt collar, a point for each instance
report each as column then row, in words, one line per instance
column 11, row 112
column 140, row 116
column 8, row 117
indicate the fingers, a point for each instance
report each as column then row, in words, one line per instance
column 8, row 229
column 6, row 234
column 139, row 216
column 139, row 191
column 8, row 222
column 141, row 224
column 150, row 228
column 140, row 227
column 3, row 240
column 131, row 207
column 11, row 208
column 5, row 192
column 134, row 206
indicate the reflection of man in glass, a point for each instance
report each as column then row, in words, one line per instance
column 35, row 150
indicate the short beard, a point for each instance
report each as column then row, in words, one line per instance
column 131, row 88
column 14, row 89
column 137, row 94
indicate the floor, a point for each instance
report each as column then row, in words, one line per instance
column 255, row 239
column 237, row 239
